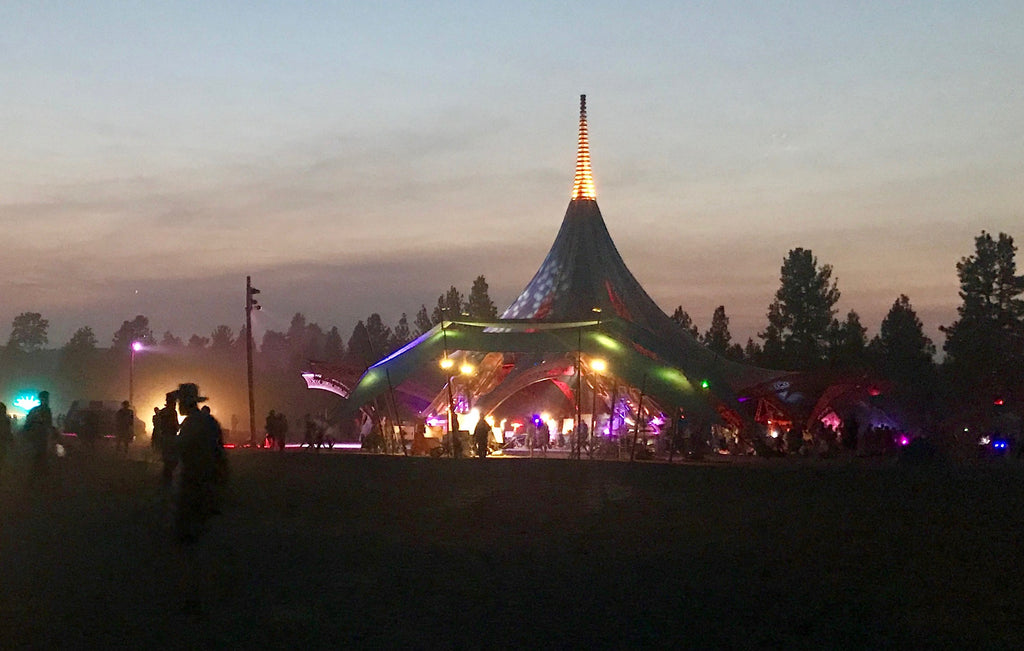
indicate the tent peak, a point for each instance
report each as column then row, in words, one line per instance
column 583, row 184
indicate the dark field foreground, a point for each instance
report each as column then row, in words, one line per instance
column 338, row 550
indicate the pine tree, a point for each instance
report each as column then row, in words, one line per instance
column 449, row 306
column 681, row 317
column 402, row 334
column 847, row 344
column 718, row 338
column 334, row 347
column 423, row 321
column 802, row 312
column 985, row 345
column 480, row 305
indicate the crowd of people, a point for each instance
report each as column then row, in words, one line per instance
column 191, row 449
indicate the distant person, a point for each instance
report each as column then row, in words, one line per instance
column 481, row 433
column 165, row 434
column 199, row 450
column 282, row 430
column 38, row 431
column 6, row 436
column 309, row 432
column 124, row 422
column 543, row 437
column 156, row 423
column 234, row 427
column 271, row 427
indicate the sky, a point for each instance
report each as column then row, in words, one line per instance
column 363, row 157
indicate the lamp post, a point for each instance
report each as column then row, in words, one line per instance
column 134, row 348
column 250, row 305
column 598, row 366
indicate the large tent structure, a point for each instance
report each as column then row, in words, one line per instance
column 582, row 312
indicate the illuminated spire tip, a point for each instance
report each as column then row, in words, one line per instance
column 583, row 185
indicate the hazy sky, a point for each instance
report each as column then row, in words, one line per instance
column 360, row 157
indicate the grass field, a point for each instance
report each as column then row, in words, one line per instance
column 345, row 550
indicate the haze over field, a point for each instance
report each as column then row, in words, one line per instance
column 356, row 159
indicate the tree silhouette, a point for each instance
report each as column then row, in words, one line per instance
column 847, row 344
column 135, row 330
column 28, row 332
column 800, row 316
column 423, row 321
column 479, row 305
column 222, row 339
column 682, row 317
column 985, row 345
column 449, row 305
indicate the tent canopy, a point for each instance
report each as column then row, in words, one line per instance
column 632, row 354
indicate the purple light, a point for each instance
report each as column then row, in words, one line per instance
column 136, row 346
column 904, row 440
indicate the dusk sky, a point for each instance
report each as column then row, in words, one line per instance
column 362, row 157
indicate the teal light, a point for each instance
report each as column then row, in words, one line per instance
column 27, row 402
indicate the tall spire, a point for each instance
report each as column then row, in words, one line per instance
column 583, row 185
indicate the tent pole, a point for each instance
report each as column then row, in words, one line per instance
column 639, row 417
column 575, row 448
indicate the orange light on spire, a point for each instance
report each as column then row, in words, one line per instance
column 583, row 185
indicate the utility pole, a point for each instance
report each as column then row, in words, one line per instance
column 250, row 305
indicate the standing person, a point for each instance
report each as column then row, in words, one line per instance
column 271, row 427
column 6, row 435
column 282, row 430
column 199, row 453
column 480, row 435
column 38, row 430
column 165, row 433
column 124, row 422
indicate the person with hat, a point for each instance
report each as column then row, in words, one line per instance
column 165, row 433
column 38, row 430
column 124, row 422
column 200, row 452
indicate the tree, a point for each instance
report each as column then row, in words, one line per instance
column 449, row 306
column 681, row 317
column 802, row 311
column 359, row 348
column 985, row 345
column 402, row 334
column 904, row 355
column 379, row 336
column 718, row 338
column 84, row 340
column 135, row 330
column 222, row 339
column 334, row 347
column 847, row 345
column 79, row 360
column 902, row 351
column 170, row 341
column 198, row 343
column 480, row 305
column 423, row 321
column 28, row 332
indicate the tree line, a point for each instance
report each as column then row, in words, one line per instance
column 984, row 346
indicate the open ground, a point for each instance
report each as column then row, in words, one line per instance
column 348, row 550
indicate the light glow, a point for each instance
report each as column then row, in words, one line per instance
column 599, row 365
column 467, row 369
column 136, row 346
column 447, row 363
column 28, row 403
column 583, row 184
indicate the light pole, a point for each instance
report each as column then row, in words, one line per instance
column 598, row 366
column 134, row 348
column 250, row 305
